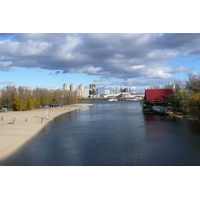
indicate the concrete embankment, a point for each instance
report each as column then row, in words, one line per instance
column 16, row 128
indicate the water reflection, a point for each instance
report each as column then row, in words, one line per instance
column 69, row 116
column 171, row 140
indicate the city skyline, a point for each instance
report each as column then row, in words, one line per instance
column 134, row 61
column 91, row 87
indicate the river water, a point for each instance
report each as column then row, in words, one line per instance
column 112, row 134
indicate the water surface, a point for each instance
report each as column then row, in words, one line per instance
column 112, row 134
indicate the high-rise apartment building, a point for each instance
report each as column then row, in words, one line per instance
column 65, row 86
column 125, row 90
column 119, row 90
column 83, row 91
column 72, row 87
column 93, row 90
column 81, row 87
column 107, row 92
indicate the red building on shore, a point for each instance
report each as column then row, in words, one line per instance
column 155, row 97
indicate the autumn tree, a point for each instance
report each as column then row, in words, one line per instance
column 23, row 98
column 7, row 95
column 180, row 101
column 30, row 102
column 194, row 106
column 17, row 103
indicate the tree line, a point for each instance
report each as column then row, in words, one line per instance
column 23, row 98
column 186, row 97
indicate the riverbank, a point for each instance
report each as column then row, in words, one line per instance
column 181, row 115
column 18, row 127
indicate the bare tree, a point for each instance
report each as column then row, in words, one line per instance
column 193, row 84
column 178, row 86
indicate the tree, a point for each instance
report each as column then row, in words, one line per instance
column 17, row 103
column 23, row 98
column 180, row 101
column 30, row 103
column 7, row 95
column 178, row 86
column 194, row 106
column 193, row 84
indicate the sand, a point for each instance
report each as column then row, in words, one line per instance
column 27, row 124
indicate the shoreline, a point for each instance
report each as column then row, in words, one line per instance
column 185, row 117
column 182, row 116
column 19, row 127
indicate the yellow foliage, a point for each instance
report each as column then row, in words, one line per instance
column 196, row 99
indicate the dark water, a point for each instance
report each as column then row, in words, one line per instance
column 112, row 134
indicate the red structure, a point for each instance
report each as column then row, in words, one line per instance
column 157, row 96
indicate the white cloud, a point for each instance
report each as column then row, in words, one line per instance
column 6, row 66
column 69, row 44
column 8, row 47
column 34, row 47
column 119, row 56
column 158, row 74
column 7, row 83
column 38, row 69
column 92, row 70
column 161, row 54
column 133, row 88
column 138, row 67
column 181, row 69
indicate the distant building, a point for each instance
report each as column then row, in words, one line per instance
column 119, row 90
column 83, row 91
column 93, row 90
column 65, row 86
column 72, row 87
column 81, row 87
column 107, row 92
column 170, row 86
column 125, row 90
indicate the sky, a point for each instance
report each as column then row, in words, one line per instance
column 110, row 60
column 110, row 44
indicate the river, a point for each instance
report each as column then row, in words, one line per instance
column 112, row 134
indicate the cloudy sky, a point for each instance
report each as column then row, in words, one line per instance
column 109, row 60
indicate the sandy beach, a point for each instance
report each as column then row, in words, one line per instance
column 18, row 127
